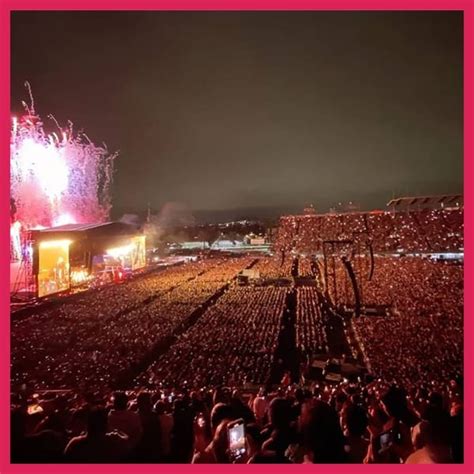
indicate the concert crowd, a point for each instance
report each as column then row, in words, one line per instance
column 159, row 368
column 424, row 230
column 359, row 422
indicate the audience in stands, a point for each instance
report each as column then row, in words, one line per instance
column 347, row 422
column 217, row 368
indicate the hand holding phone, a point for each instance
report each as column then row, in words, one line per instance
column 200, row 420
column 236, row 437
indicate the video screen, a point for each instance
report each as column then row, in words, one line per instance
column 138, row 253
column 53, row 268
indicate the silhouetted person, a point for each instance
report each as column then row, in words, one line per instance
column 97, row 445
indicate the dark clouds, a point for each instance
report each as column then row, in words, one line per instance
column 224, row 110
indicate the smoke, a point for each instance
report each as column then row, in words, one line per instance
column 173, row 215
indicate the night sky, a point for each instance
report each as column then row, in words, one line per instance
column 225, row 110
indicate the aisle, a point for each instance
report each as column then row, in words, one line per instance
column 126, row 379
column 287, row 356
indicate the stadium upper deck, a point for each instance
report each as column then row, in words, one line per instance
column 404, row 231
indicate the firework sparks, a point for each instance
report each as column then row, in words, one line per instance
column 57, row 178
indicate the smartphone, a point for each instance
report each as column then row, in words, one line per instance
column 388, row 438
column 201, row 421
column 33, row 409
column 236, row 437
column 385, row 440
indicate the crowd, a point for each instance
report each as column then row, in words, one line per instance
column 274, row 267
column 305, row 267
column 311, row 336
column 233, row 342
column 409, row 410
column 358, row 422
column 421, row 338
column 91, row 341
column 419, row 333
column 425, row 230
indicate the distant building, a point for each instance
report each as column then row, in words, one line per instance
column 252, row 239
column 257, row 241
column 309, row 210
column 349, row 206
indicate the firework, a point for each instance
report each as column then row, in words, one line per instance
column 56, row 178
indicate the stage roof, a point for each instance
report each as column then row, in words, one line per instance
column 86, row 231
column 75, row 227
column 448, row 200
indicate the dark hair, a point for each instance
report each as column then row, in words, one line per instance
column 179, row 406
column 160, row 407
column 341, row 397
column 80, row 415
column 120, row 400
column 17, row 423
column 221, row 395
column 322, row 434
column 220, row 412
column 436, row 400
column 438, row 430
column 395, row 402
column 356, row 419
column 299, row 395
column 144, row 401
column 279, row 413
column 254, row 432
column 97, row 421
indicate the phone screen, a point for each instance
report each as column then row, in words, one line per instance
column 385, row 440
column 33, row 409
column 201, row 421
column 388, row 438
column 236, row 432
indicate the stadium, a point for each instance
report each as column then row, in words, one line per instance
column 180, row 301
column 334, row 314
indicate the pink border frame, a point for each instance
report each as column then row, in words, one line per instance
column 6, row 6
